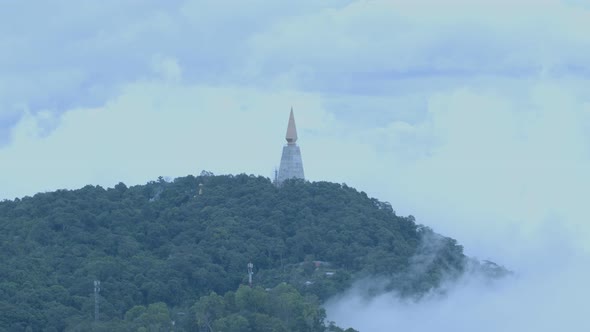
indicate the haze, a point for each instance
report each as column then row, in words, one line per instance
column 473, row 116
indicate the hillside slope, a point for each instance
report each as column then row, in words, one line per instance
column 163, row 242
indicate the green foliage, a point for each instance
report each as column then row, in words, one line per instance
column 279, row 309
column 158, row 247
column 156, row 317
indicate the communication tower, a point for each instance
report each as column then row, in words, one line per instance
column 96, row 297
column 250, row 273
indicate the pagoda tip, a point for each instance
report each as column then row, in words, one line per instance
column 291, row 129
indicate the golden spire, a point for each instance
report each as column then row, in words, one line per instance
column 291, row 129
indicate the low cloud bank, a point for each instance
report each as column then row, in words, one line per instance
column 548, row 292
column 505, row 176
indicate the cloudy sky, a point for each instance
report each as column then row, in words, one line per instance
column 473, row 116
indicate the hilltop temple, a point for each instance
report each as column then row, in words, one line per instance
column 291, row 164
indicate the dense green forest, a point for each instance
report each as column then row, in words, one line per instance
column 171, row 258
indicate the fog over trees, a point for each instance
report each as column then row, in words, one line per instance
column 167, row 252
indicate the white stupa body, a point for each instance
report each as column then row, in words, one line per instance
column 291, row 163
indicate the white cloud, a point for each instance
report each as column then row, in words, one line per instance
column 481, row 163
column 168, row 68
column 546, row 294
column 357, row 47
column 473, row 116
column 539, row 300
column 402, row 38
column 155, row 128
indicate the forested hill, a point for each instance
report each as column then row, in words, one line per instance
column 166, row 245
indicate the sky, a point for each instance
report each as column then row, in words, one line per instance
column 473, row 116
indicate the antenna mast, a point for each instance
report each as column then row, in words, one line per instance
column 250, row 273
column 96, row 296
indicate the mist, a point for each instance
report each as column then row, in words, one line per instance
column 547, row 292
column 507, row 178
column 472, row 116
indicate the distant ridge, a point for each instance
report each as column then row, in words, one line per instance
column 162, row 242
